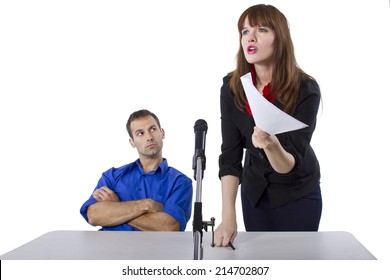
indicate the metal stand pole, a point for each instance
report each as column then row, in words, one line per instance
column 198, row 220
column 199, row 164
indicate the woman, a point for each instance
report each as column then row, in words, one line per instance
column 280, row 176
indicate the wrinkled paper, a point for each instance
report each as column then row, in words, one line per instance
column 267, row 116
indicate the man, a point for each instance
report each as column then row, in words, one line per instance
column 145, row 195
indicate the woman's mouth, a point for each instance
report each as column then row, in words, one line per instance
column 251, row 49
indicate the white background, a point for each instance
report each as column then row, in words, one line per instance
column 71, row 72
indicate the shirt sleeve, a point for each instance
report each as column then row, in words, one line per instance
column 298, row 142
column 230, row 160
column 105, row 180
column 179, row 203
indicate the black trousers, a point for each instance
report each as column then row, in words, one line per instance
column 300, row 215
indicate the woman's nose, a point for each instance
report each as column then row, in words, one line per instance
column 251, row 38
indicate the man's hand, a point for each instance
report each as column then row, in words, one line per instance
column 144, row 214
column 152, row 206
column 105, row 194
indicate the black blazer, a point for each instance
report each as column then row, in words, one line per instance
column 256, row 174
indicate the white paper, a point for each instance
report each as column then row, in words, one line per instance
column 267, row 116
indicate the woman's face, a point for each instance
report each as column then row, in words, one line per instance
column 257, row 43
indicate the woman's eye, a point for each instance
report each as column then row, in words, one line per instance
column 262, row 29
column 244, row 32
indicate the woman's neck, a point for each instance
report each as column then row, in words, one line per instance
column 263, row 76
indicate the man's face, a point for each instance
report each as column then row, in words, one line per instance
column 147, row 137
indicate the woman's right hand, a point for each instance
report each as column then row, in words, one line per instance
column 226, row 232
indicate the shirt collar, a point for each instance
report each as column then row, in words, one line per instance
column 163, row 167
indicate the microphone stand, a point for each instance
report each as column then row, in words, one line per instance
column 199, row 163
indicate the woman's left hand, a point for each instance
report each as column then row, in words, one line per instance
column 262, row 139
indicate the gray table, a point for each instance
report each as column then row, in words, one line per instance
column 109, row 245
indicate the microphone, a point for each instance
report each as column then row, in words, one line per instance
column 200, row 129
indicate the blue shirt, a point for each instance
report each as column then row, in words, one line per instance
column 165, row 184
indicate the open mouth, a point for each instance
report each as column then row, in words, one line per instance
column 251, row 49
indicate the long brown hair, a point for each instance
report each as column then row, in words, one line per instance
column 286, row 75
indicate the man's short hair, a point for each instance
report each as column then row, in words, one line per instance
column 138, row 115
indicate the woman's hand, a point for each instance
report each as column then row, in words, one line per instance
column 262, row 139
column 226, row 232
column 281, row 160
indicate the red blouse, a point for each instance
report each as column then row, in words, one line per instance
column 266, row 93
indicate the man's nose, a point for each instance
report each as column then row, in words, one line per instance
column 149, row 135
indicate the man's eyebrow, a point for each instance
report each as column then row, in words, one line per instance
column 139, row 130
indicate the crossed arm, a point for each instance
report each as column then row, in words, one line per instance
column 144, row 214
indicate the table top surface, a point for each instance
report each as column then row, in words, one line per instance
column 124, row 245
